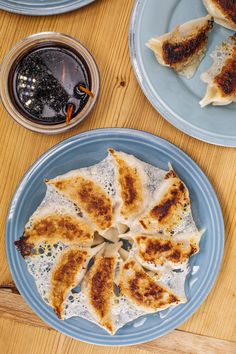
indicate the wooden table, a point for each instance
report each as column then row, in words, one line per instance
column 103, row 28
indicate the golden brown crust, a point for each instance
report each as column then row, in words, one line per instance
column 180, row 51
column 64, row 277
column 89, row 197
column 169, row 210
column 130, row 186
column 169, row 202
column 226, row 79
column 158, row 250
column 52, row 229
column 100, row 289
column 139, row 287
column 228, row 7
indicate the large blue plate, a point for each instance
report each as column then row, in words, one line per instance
column 42, row 7
column 175, row 97
column 89, row 148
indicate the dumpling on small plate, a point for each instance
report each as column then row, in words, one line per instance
column 184, row 47
column 223, row 11
column 221, row 77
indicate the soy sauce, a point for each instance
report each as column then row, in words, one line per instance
column 46, row 80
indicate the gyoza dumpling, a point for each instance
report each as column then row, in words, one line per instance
column 68, row 273
column 131, row 183
column 55, row 228
column 170, row 211
column 155, row 252
column 223, row 11
column 184, row 48
column 90, row 197
column 98, row 287
column 221, row 77
column 142, row 291
column 135, row 182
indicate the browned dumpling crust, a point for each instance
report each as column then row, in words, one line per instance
column 224, row 12
column 64, row 276
column 178, row 52
column 183, row 48
column 142, row 290
column 89, row 197
column 158, row 250
column 55, row 228
column 228, row 7
column 99, row 285
column 130, row 186
column 221, row 77
column 226, row 79
column 168, row 211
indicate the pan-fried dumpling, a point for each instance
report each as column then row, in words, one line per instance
column 67, row 273
column 89, row 197
column 99, row 290
column 55, row 228
column 142, row 291
column 157, row 251
column 98, row 286
column 221, row 77
column 170, row 207
column 184, row 48
column 223, row 11
column 131, row 181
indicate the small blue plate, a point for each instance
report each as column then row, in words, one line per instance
column 174, row 96
column 89, row 148
column 42, row 7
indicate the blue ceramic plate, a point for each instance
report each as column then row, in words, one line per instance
column 175, row 97
column 89, row 148
column 42, row 7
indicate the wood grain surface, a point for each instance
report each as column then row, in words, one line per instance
column 103, row 28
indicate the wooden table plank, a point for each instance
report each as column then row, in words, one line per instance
column 12, row 307
column 103, row 28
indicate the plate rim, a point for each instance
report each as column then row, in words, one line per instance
column 189, row 129
column 52, row 10
column 126, row 132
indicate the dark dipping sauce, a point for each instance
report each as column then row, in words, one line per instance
column 46, row 80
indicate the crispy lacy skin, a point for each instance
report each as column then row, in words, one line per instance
column 130, row 187
column 140, row 288
column 226, row 79
column 178, row 51
column 167, row 213
column 52, row 229
column 89, row 197
column 100, row 290
column 158, row 250
column 228, row 7
column 64, row 276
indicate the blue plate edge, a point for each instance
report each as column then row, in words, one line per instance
column 47, row 12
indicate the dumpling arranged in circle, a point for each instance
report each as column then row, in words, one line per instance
column 111, row 242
